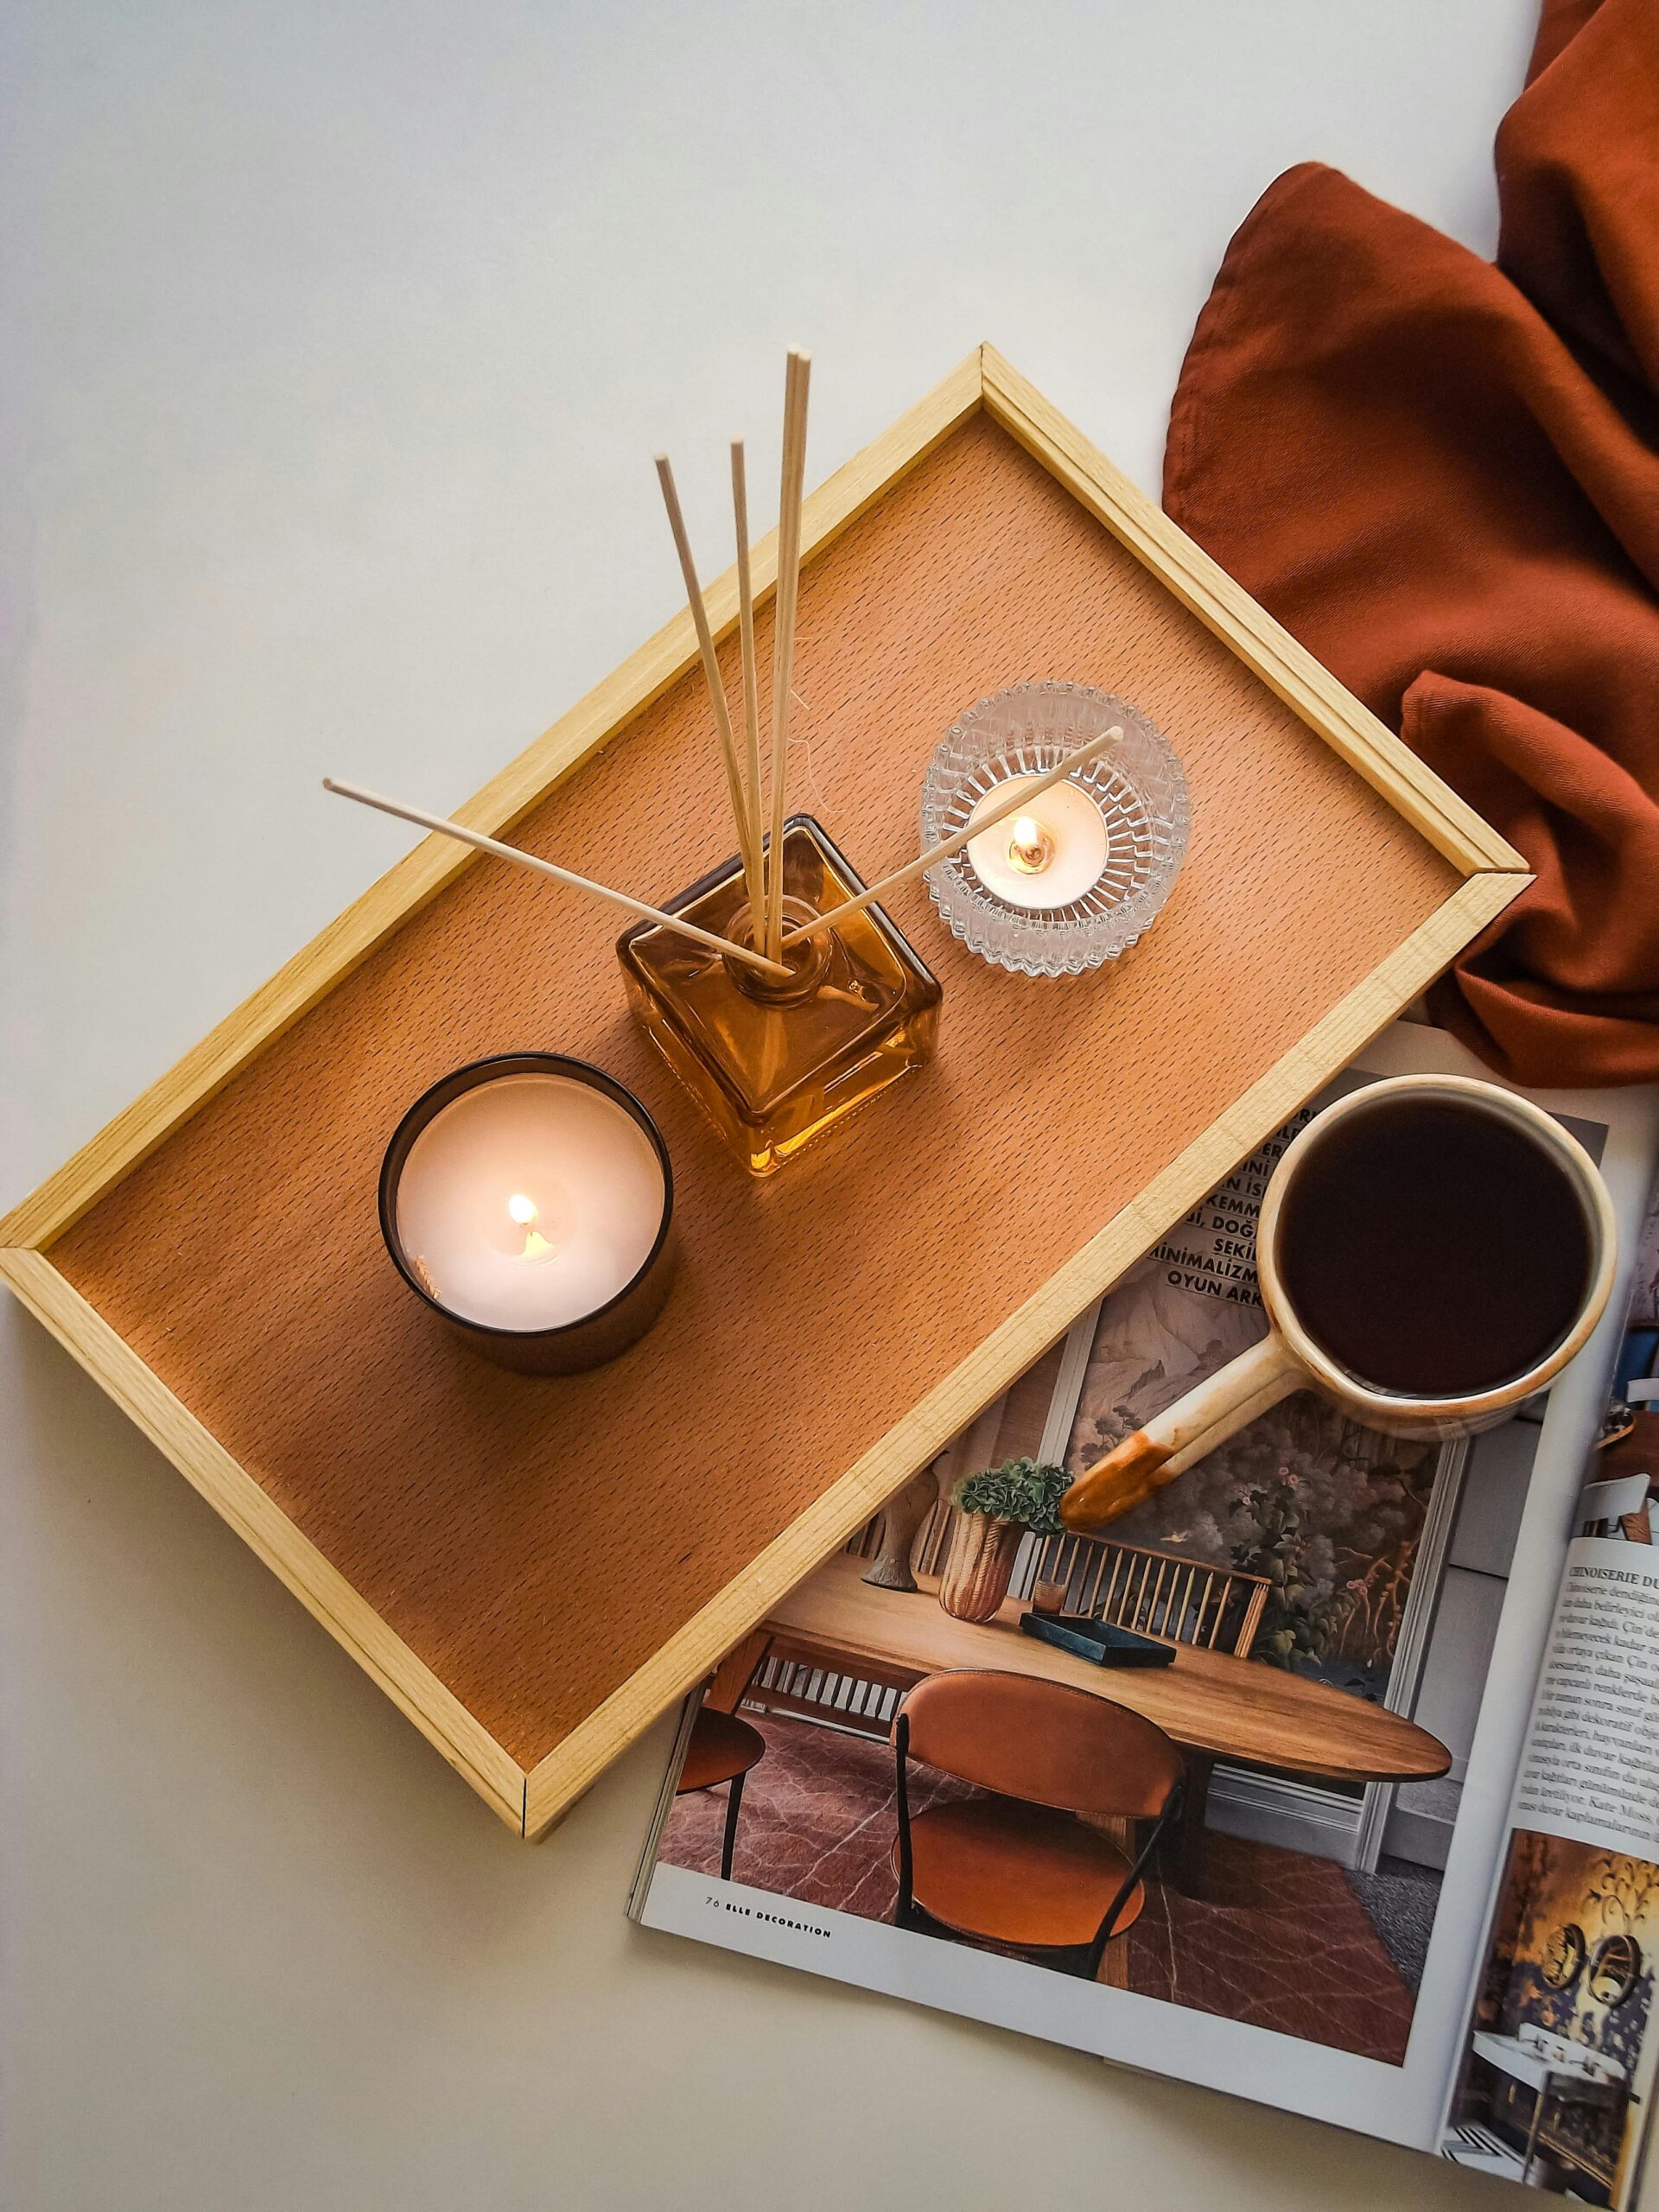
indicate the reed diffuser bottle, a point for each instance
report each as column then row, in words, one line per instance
column 793, row 998
column 774, row 1060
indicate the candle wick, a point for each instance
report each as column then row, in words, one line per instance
column 1030, row 846
column 526, row 1213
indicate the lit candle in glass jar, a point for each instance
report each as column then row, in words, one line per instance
column 529, row 1199
column 1046, row 859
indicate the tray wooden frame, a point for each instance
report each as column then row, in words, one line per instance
column 529, row 1802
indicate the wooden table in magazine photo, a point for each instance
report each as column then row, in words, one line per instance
column 1213, row 1705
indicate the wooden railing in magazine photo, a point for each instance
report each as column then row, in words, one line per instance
column 1158, row 1593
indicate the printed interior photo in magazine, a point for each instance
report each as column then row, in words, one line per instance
column 1320, row 1645
column 1555, row 2077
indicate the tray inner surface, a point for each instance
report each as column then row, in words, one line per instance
column 536, row 1542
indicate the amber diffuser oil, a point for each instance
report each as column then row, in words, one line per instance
column 773, row 1062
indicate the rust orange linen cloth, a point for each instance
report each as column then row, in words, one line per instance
column 1442, row 475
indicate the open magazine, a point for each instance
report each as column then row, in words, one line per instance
column 1409, row 1880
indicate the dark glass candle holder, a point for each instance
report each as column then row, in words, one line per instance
column 772, row 1064
column 538, row 1219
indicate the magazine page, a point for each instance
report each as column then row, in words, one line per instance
column 1344, row 1632
column 1555, row 2085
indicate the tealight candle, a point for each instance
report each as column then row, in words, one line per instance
column 529, row 1200
column 1091, row 822
column 1044, row 859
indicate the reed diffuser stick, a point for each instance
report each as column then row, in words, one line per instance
column 745, row 844
column 751, row 682
column 1017, row 803
column 445, row 828
column 783, row 634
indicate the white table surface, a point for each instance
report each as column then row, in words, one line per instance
column 339, row 338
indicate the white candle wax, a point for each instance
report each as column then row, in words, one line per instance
column 1045, row 859
column 530, row 1202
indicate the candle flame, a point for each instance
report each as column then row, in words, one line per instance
column 526, row 1213
column 1030, row 846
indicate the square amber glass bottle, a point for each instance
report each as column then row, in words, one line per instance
column 772, row 1065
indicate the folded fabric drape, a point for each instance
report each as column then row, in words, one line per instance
column 1442, row 475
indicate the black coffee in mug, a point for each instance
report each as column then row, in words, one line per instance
column 1432, row 1249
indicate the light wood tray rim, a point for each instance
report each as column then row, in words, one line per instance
column 531, row 1801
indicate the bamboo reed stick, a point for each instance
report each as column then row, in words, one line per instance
column 445, row 828
column 745, row 845
column 751, row 683
column 1016, row 803
column 796, row 379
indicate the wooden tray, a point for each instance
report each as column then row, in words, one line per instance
column 534, row 1569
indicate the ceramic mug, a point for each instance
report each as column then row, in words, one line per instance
column 1291, row 1356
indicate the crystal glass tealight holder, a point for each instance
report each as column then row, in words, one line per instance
column 1037, row 917
column 773, row 1064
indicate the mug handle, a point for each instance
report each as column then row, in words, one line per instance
column 1212, row 1411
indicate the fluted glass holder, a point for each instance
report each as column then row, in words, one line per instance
column 773, row 1064
column 1136, row 785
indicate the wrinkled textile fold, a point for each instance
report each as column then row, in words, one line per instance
column 1442, row 475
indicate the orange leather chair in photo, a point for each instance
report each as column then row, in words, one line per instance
column 1021, row 1870
column 722, row 1748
